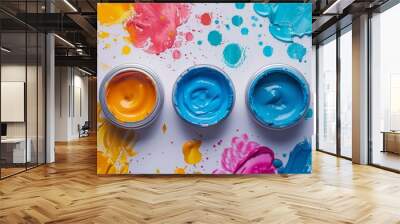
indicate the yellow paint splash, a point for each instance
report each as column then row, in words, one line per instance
column 164, row 128
column 191, row 151
column 106, row 46
column 126, row 50
column 180, row 170
column 115, row 147
column 113, row 13
column 127, row 39
column 103, row 35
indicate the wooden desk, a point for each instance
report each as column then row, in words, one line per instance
column 391, row 141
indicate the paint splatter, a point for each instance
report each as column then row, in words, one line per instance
column 233, row 55
column 296, row 51
column 113, row 13
column 215, row 38
column 199, row 42
column 103, row 35
column 154, row 26
column 205, row 19
column 285, row 26
column 125, row 50
column 189, row 36
column 277, row 163
column 216, row 21
column 260, row 43
column 239, row 5
column 299, row 159
column 244, row 31
column 237, row 20
column 191, row 151
column 246, row 157
column 164, row 128
column 227, row 27
column 309, row 114
column 268, row 51
column 179, row 170
column 176, row 54
column 115, row 147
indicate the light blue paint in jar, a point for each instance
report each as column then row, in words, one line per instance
column 278, row 97
column 203, row 95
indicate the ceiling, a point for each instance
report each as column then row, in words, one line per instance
column 76, row 21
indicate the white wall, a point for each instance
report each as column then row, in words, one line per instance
column 70, row 83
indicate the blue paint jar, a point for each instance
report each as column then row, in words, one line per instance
column 278, row 96
column 203, row 95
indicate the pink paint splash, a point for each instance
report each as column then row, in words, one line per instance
column 189, row 36
column 246, row 157
column 154, row 26
column 176, row 54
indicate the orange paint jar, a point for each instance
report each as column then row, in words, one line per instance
column 131, row 96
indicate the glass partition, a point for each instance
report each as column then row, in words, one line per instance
column 346, row 93
column 327, row 96
column 22, row 67
column 385, row 90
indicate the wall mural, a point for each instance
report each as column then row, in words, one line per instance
column 204, row 88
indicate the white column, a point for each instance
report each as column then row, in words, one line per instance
column 360, row 90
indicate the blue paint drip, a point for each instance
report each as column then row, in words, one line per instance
column 287, row 20
column 309, row 114
column 277, row 163
column 239, row 5
column 244, row 31
column 296, row 51
column 203, row 96
column 268, row 51
column 237, row 20
column 278, row 97
column 233, row 55
column 299, row 159
column 214, row 38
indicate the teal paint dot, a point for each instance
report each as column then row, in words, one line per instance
column 284, row 154
column 309, row 114
column 216, row 21
column 233, row 55
column 214, row 38
column 267, row 51
column 259, row 35
column 277, row 163
column 260, row 43
column 237, row 20
column 254, row 18
column 239, row 5
column 227, row 27
column 199, row 42
column 253, row 25
column 296, row 51
column 244, row 31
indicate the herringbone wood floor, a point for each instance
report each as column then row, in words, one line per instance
column 70, row 192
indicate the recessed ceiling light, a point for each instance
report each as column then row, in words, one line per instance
column 70, row 5
column 64, row 40
column 5, row 50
